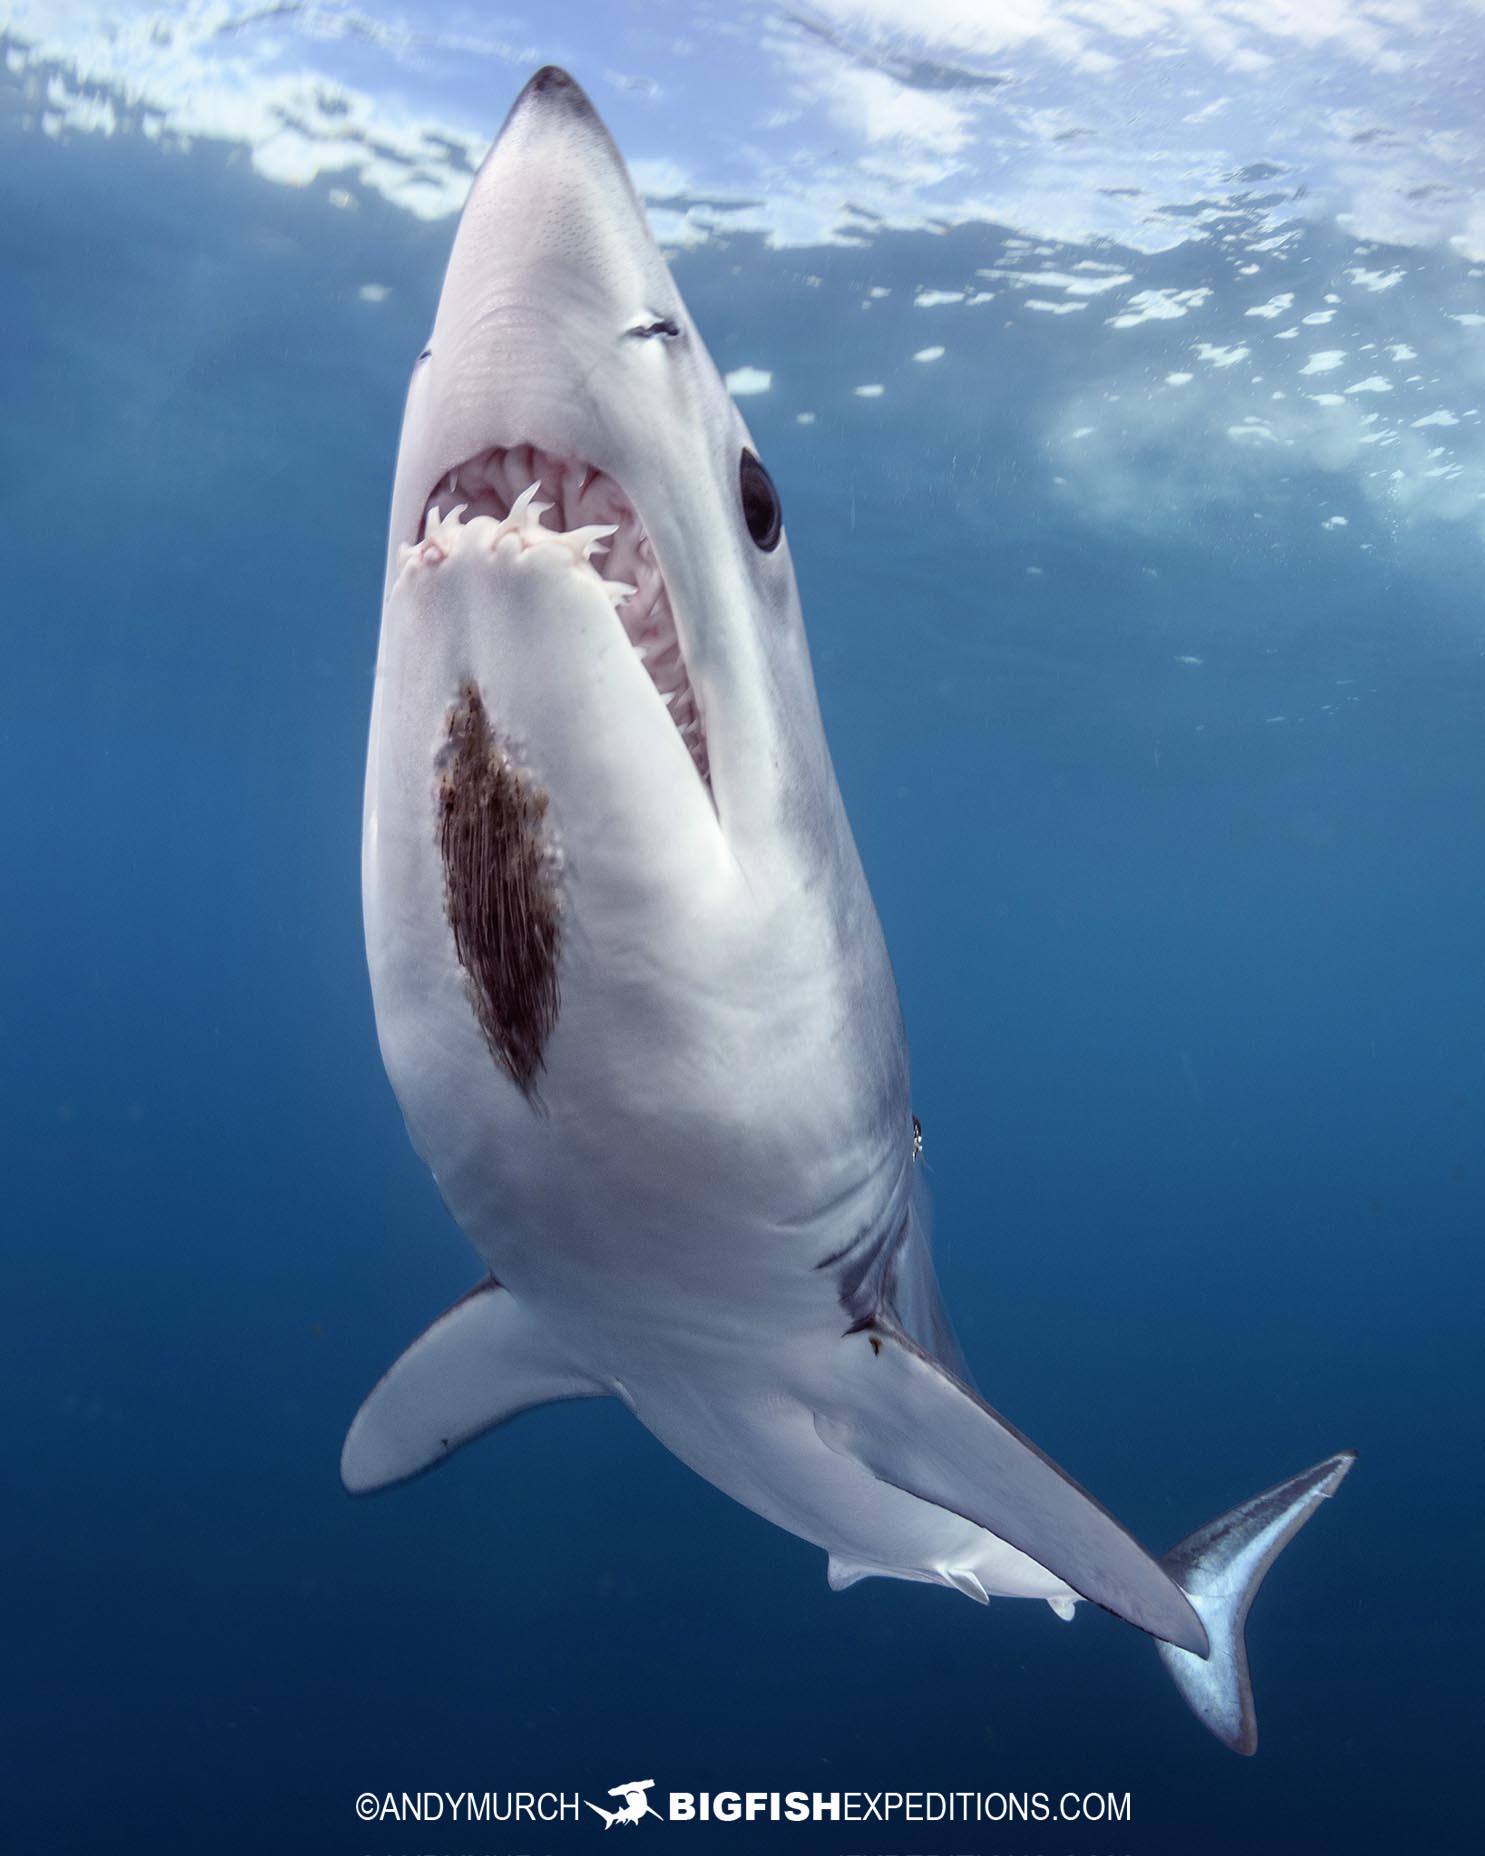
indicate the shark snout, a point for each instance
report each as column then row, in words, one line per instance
column 551, row 88
column 562, row 356
column 552, row 207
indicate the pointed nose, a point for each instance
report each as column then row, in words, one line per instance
column 551, row 144
column 552, row 103
column 552, row 224
column 552, row 88
column 552, row 262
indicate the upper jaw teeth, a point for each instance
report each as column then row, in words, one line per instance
column 442, row 533
column 505, row 522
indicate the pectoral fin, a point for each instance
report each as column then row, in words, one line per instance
column 910, row 1423
column 481, row 1362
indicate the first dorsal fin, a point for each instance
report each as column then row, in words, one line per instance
column 481, row 1362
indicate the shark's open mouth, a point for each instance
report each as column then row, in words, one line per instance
column 592, row 516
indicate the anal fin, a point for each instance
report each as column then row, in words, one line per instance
column 902, row 1416
column 482, row 1361
column 842, row 1573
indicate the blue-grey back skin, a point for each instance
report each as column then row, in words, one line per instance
column 630, row 986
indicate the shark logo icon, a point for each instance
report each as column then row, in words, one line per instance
column 634, row 1807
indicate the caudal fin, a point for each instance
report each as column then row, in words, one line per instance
column 1219, row 1568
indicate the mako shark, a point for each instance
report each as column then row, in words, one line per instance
column 629, row 982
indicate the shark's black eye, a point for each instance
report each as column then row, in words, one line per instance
column 760, row 501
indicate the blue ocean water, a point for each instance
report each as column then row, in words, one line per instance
column 1163, row 746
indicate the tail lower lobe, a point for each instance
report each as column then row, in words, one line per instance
column 1219, row 1568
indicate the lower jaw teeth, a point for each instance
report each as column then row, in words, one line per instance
column 659, row 652
column 443, row 532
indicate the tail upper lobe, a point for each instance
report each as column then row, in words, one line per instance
column 1219, row 1568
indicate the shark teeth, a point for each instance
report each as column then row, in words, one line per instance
column 443, row 533
column 491, row 500
column 524, row 513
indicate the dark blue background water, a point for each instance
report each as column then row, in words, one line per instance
column 1196, row 1003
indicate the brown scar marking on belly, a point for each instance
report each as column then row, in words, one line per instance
column 499, row 892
